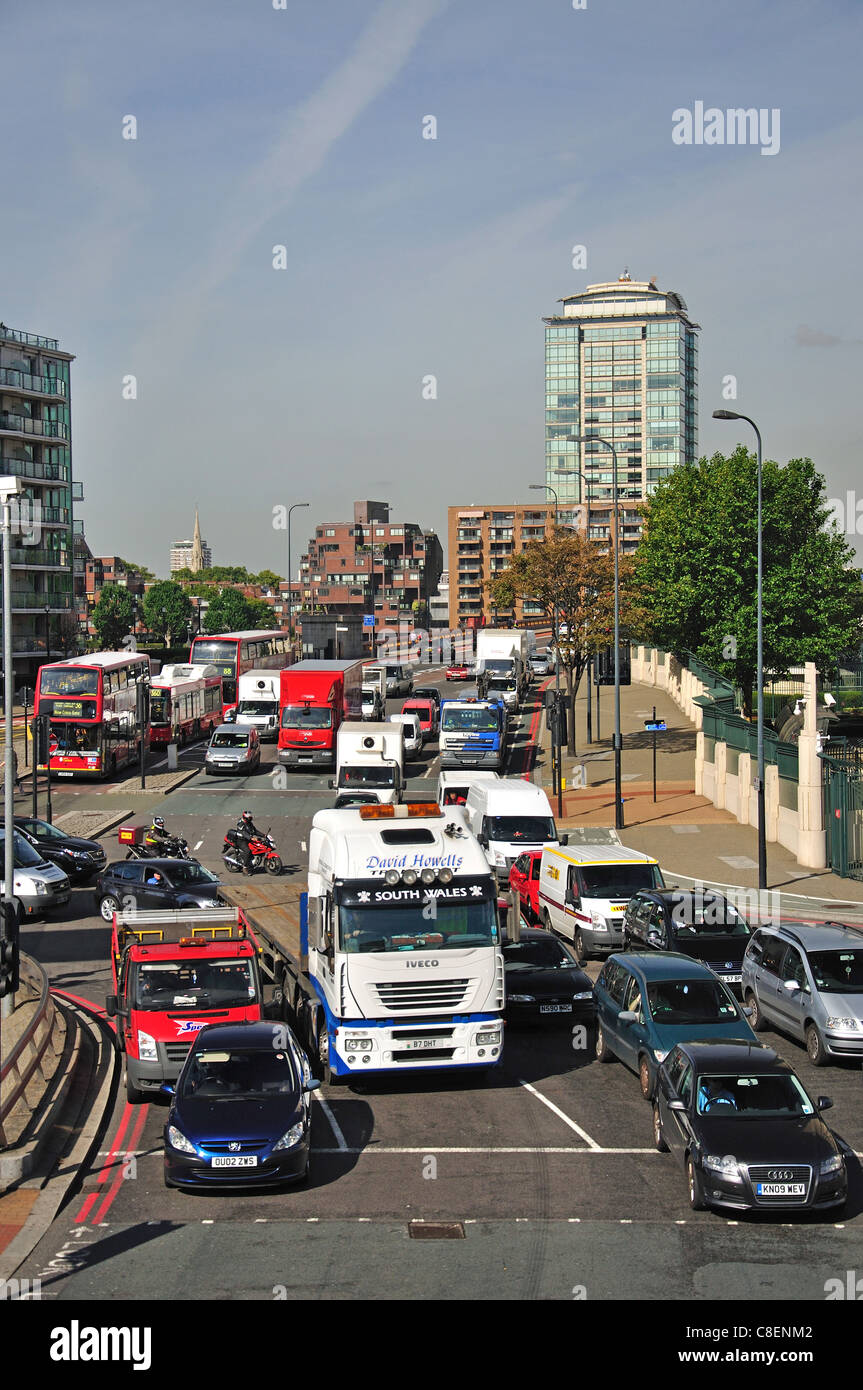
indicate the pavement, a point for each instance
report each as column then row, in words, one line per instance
column 689, row 836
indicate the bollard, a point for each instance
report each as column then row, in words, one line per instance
column 172, row 757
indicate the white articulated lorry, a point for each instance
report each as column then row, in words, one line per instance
column 404, row 949
column 502, row 655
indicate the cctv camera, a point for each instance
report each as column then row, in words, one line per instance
column 829, row 700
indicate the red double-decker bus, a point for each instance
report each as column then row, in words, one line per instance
column 185, row 702
column 233, row 653
column 92, row 703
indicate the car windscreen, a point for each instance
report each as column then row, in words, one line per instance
column 367, row 777
column 502, row 683
column 306, row 717
column 761, row 1097
column 24, row 856
column 707, row 917
column 537, row 829
column 453, row 925
column 617, row 880
column 838, row 972
column 193, row 984
column 537, row 955
column 244, row 1074
column 182, row 875
column 230, row 740
column 689, row 1002
column 469, row 721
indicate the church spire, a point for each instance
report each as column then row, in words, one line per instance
column 196, row 562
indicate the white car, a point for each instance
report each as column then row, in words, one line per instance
column 413, row 732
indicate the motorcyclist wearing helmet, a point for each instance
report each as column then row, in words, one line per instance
column 247, row 831
column 157, row 837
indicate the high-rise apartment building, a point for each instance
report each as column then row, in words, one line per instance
column 194, row 555
column 36, row 445
column 482, row 541
column 370, row 565
column 621, row 363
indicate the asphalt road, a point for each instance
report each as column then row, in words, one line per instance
column 546, row 1174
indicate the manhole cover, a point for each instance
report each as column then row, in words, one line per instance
column 436, row 1230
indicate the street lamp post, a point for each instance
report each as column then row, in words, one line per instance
column 618, row 741
column 292, row 508
column 9, row 487
column 586, row 481
column 762, row 823
column 556, row 779
column 47, row 611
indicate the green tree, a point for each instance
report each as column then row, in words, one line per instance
column 574, row 582
column 112, row 616
column 696, row 568
column 267, row 579
column 167, row 611
column 141, row 570
column 228, row 612
column 261, row 615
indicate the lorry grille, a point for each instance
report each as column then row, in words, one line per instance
column 432, row 994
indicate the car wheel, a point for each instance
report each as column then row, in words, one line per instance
column 818, row 1054
column 580, row 948
column 696, row 1186
column 756, row 1018
column 107, row 907
column 645, row 1078
column 546, row 920
column 658, row 1136
column 603, row 1053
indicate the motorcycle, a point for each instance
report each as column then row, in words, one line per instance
column 263, row 851
column 173, row 848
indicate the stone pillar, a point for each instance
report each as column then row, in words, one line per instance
column 746, row 800
column 812, row 834
column 720, row 758
column 699, row 763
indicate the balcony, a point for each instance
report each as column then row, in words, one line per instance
column 24, row 381
column 39, row 472
column 13, row 335
column 55, row 516
column 25, row 424
column 25, row 601
column 30, row 556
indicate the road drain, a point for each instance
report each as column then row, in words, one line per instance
column 436, row 1230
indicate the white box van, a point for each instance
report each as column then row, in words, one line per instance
column 370, row 758
column 258, row 702
column 453, row 786
column 508, row 817
column 584, row 891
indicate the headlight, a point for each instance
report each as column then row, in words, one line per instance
column 832, row 1165
column 293, row 1136
column 660, row 1056
column 726, row 1167
column 358, row 1044
column 177, row 1140
column 147, row 1047
column 41, row 888
column 847, row 1025
column 584, row 994
column 499, row 859
column 521, row 999
column 598, row 922
column 488, row 1039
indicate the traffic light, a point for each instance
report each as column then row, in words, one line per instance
column 603, row 666
column 9, row 955
column 41, row 739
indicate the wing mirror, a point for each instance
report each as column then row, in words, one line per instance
column 167, row 1089
column 627, row 1017
column 111, row 1008
column 312, row 1085
column 824, row 1103
column 678, row 1105
column 791, row 985
column 746, row 1011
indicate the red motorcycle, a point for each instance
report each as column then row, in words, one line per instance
column 262, row 849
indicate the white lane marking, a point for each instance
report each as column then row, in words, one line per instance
column 198, row 845
column 334, row 1125
column 566, row 1120
column 303, row 846
column 487, row 1149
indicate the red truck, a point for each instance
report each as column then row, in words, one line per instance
column 175, row 972
column 314, row 699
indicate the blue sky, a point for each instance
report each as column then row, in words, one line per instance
column 406, row 256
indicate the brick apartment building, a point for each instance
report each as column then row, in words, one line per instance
column 482, row 541
column 370, row 565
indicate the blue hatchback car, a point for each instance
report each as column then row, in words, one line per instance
column 240, row 1113
column 648, row 1002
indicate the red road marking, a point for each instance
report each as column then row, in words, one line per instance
column 112, row 1154
column 137, row 1131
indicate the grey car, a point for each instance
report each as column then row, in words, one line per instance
column 233, row 748
column 399, row 680
column 807, row 981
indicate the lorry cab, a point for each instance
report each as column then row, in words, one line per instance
column 584, row 891
column 508, row 817
column 370, row 757
column 258, row 702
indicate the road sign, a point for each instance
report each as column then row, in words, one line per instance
column 656, row 726
column 368, row 620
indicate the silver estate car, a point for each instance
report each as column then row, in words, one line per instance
column 807, row 981
column 233, row 748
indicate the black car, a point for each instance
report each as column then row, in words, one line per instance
column 745, row 1130
column 79, row 859
column 155, row 883
column 240, row 1114
column 697, row 923
column 345, row 799
column 544, row 980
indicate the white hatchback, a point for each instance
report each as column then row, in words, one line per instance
column 413, row 732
